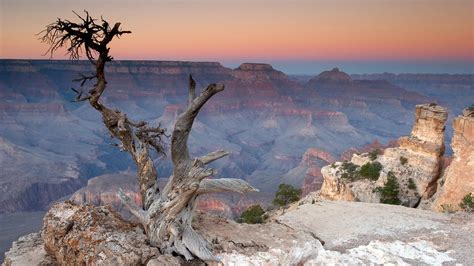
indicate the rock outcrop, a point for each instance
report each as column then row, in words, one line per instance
column 352, row 232
column 415, row 165
column 28, row 250
column 83, row 234
column 458, row 179
column 77, row 234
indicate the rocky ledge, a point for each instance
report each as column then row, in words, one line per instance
column 351, row 232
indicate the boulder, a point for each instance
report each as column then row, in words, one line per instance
column 77, row 234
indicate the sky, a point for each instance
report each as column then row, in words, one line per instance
column 296, row 36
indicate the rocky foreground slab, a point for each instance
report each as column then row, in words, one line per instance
column 311, row 232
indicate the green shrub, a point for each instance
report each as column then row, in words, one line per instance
column 371, row 170
column 389, row 192
column 411, row 184
column 374, row 154
column 403, row 160
column 471, row 108
column 467, row 203
column 253, row 215
column 350, row 171
column 286, row 194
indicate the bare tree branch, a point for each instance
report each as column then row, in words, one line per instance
column 225, row 184
column 184, row 123
column 92, row 37
column 213, row 156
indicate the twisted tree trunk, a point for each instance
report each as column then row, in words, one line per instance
column 166, row 216
column 168, row 220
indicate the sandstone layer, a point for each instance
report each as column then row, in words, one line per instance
column 458, row 179
column 415, row 164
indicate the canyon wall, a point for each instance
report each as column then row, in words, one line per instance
column 265, row 119
column 458, row 179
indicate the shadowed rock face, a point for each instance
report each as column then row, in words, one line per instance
column 416, row 164
column 458, row 179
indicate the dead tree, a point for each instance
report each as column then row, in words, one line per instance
column 166, row 215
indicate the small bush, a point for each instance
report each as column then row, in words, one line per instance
column 471, row 108
column 374, row 154
column 253, row 215
column 389, row 192
column 350, row 171
column 411, row 184
column 467, row 203
column 403, row 160
column 286, row 194
column 371, row 170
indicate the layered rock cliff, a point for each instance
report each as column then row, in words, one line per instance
column 458, row 179
column 413, row 167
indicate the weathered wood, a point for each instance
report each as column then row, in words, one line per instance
column 166, row 216
column 225, row 185
column 215, row 155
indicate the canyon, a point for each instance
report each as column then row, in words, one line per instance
column 267, row 121
column 279, row 129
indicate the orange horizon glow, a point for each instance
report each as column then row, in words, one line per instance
column 262, row 29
